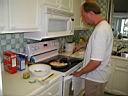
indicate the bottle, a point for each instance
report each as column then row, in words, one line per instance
column 21, row 62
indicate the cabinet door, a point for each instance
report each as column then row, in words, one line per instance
column 53, row 3
column 23, row 15
column 67, row 5
column 53, row 90
column 108, row 87
column 77, row 14
column 120, row 77
column 3, row 15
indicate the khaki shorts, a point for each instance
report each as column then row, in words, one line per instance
column 94, row 88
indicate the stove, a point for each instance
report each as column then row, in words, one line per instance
column 47, row 51
column 44, row 52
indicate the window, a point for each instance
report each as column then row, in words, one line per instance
column 124, row 27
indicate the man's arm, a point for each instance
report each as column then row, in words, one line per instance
column 91, row 66
column 78, row 47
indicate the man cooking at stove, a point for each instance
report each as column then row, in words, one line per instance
column 96, row 66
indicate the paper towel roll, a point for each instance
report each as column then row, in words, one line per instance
column 69, row 47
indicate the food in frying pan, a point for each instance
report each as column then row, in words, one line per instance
column 58, row 64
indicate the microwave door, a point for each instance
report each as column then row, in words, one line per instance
column 59, row 25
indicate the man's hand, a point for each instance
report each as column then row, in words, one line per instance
column 91, row 66
column 77, row 48
column 76, row 74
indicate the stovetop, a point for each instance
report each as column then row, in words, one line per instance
column 71, row 62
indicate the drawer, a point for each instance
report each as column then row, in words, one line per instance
column 52, row 90
column 120, row 63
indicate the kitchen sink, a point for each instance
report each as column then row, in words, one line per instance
column 120, row 54
column 124, row 55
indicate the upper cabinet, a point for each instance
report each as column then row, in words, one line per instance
column 67, row 5
column 59, row 4
column 3, row 15
column 52, row 3
column 76, row 11
column 19, row 16
column 78, row 23
column 24, row 15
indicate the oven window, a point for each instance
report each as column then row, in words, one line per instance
column 57, row 25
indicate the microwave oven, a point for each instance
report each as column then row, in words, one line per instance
column 53, row 23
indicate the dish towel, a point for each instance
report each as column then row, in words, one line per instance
column 76, row 85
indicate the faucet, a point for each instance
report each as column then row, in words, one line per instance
column 119, row 47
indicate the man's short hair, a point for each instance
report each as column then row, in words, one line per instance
column 89, row 6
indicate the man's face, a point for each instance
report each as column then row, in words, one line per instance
column 86, row 17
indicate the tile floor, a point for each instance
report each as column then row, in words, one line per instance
column 107, row 94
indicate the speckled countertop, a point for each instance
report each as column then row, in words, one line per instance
column 15, row 85
column 80, row 54
column 121, row 58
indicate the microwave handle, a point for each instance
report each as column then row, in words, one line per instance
column 70, row 24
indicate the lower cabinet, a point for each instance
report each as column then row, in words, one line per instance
column 118, row 83
column 53, row 90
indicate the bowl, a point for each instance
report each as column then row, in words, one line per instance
column 39, row 70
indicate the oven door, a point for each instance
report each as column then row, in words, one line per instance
column 72, row 86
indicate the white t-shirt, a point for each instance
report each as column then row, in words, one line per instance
column 99, row 48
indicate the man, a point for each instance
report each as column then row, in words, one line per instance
column 96, row 66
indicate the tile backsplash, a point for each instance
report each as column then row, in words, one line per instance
column 13, row 42
column 75, row 38
column 104, row 7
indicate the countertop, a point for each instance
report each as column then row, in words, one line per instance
column 78, row 54
column 119, row 57
column 15, row 85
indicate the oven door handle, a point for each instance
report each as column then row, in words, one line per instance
column 68, row 87
column 68, row 77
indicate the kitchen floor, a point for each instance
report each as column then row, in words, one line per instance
column 107, row 94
